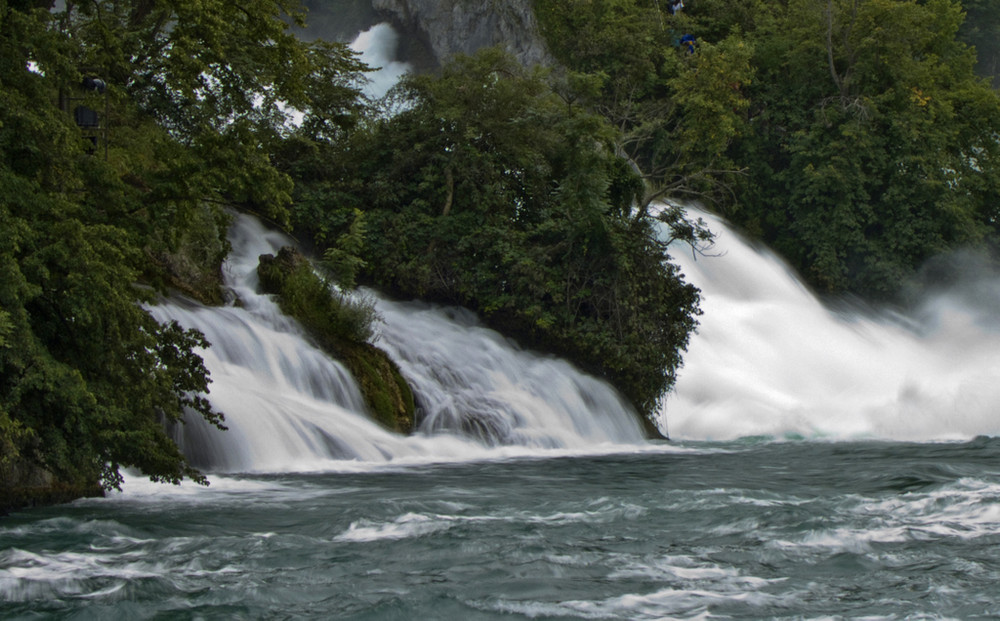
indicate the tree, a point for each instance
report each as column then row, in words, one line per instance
column 874, row 144
column 676, row 112
column 222, row 78
column 488, row 190
column 191, row 110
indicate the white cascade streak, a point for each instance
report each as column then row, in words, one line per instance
column 289, row 407
column 460, row 368
column 377, row 48
column 770, row 360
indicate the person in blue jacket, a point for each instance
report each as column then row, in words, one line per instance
column 688, row 42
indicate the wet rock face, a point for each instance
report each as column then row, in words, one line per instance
column 449, row 27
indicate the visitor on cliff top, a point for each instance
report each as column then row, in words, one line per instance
column 676, row 6
column 688, row 42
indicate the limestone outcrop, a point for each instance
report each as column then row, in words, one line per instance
column 449, row 27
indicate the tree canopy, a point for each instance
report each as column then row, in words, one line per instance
column 490, row 190
column 853, row 136
column 180, row 103
column 874, row 144
column 675, row 111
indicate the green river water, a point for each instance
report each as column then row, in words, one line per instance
column 742, row 530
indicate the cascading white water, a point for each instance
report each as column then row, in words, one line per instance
column 377, row 47
column 473, row 379
column 287, row 404
column 769, row 359
column 289, row 407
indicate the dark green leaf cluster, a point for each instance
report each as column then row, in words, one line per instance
column 87, row 378
column 874, row 145
column 675, row 112
column 329, row 316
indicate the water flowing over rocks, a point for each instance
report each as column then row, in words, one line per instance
column 450, row 27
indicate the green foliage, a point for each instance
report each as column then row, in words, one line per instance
column 86, row 375
column 675, row 112
column 192, row 112
column 344, row 258
column 874, row 144
column 491, row 191
column 329, row 315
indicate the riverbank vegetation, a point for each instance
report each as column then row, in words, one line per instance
column 125, row 130
column 489, row 190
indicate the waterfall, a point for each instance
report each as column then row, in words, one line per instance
column 289, row 407
column 472, row 378
column 770, row 359
column 377, row 47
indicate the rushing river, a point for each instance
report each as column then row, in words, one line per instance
column 745, row 530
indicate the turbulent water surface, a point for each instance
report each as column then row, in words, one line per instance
column 734, row 530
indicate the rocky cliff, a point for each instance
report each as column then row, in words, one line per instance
column 448, row 27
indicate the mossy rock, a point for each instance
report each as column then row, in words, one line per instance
column 386, row 392
column 204, row 286
column 273, row 271
column 192, row 263
column 341, row 329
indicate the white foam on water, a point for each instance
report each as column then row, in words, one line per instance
column 404, row 527
column 413, row 524
column 966, row 510
column 667, row 603
column 28, row 576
